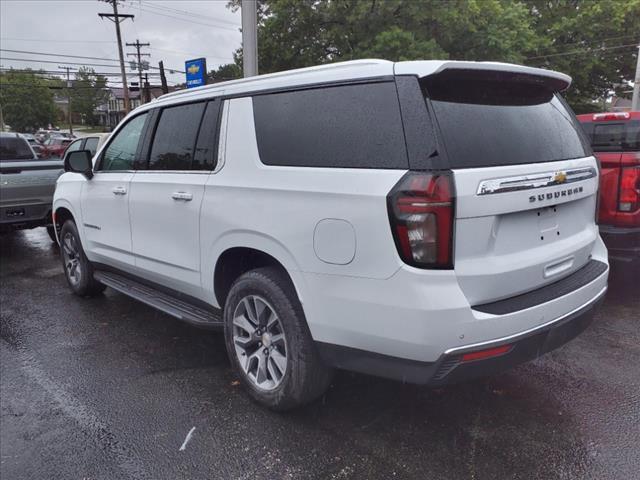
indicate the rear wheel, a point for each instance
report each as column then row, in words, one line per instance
column 269, row 343
column 77, row 268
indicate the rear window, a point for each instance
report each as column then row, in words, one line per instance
column 14, row 148
column 348, row 126
column 175, row 138
column 614, row 136
column 489, row 119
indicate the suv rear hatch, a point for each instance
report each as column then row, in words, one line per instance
column 525, row 180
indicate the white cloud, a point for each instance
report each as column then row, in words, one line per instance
column 176, row 30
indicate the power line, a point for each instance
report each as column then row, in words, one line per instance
column 187, row 13
column 59, row 55
column 582, row 51
column 591, row 41
column 35, row 60
column 51, row 40
column 186, row 20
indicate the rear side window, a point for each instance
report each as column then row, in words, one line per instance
column 350, row 126
column 91, row 145
column 614, row 137
column 175, row 139
column 14, row 148
column 74, row 146
column 493, row 118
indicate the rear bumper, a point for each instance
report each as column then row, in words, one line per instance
column 19, row 217
column 451, row 367
column 623, row 243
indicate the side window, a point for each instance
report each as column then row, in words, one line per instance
column 349, row 126
column 74, row 146
column 121, row 152
column 207, row 148
column 91, row 145
column 175, row 138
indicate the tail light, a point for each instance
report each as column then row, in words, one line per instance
column 611, row 116
column 421, row 211
column 629, row 196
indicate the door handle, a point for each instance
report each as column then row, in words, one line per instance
column 119, row 191
column 187, row 197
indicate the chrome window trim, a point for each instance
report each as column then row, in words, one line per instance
column 536, row 180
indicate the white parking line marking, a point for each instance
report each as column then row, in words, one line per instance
column 186, row 440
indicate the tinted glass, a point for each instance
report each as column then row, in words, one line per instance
column 91, row 145
column 121, row 152
column 207, row 148
column 74, row 146
column 352, row 126
column 14, row 148
column 175, row 138
column 502, row 119
column 615, row 137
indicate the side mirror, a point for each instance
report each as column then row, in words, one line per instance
column 79, row 162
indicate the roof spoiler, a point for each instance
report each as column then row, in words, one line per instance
column 556, row 80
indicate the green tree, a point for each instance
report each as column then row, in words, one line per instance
column 228, row 71
column 594, row 41
column 579, row 37
column 27, row 99
column 88, row 92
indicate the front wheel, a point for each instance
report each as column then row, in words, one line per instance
column 77, row 268
column 269, row 343
column 52, row 233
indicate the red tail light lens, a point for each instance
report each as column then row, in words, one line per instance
column 629, row 198
column 484, row 354
column 421, row 211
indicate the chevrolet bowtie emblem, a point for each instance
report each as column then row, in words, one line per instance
column 560, row 177
column 193, row 69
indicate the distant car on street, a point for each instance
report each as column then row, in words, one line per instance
column 615, row 139
column 27, row 184
column 55, row 146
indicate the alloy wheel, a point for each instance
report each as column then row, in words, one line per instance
column 71, row 256
column 259, row 342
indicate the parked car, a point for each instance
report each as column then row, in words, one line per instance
column 90, row 143
column 54, row 146
column 26, row 186
column 615, row 139
column 419, row 221
column 35, row 145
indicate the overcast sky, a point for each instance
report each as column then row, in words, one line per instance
column 176, row 30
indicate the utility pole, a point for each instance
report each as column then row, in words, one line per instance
column 635, row 101
column 68, row 96
column 137, row 46
column 249, row 37
column 163, row 78
column 116, row 18
column 147, row 91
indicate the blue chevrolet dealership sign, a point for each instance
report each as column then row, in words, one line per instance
column 196, row 72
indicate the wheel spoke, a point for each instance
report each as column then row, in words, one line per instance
column 250, row 311
column 277, row 339
column 271, row 321
column 244, row 324
column 273, row 370
column 279, row 360
column 259, row 307
column 261, row 371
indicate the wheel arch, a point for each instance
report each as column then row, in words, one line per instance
column 240, row 252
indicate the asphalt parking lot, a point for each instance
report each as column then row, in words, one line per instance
column 107, row 388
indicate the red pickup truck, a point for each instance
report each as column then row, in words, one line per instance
column 615, row 139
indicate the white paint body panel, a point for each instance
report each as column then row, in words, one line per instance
column 356, row 293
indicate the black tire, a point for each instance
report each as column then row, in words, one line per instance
column 80, row 278
column 52, row 233
column 306, row 377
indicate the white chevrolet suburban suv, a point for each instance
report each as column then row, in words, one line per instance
column 426, row 221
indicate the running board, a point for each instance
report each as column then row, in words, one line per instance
column 162, row 301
